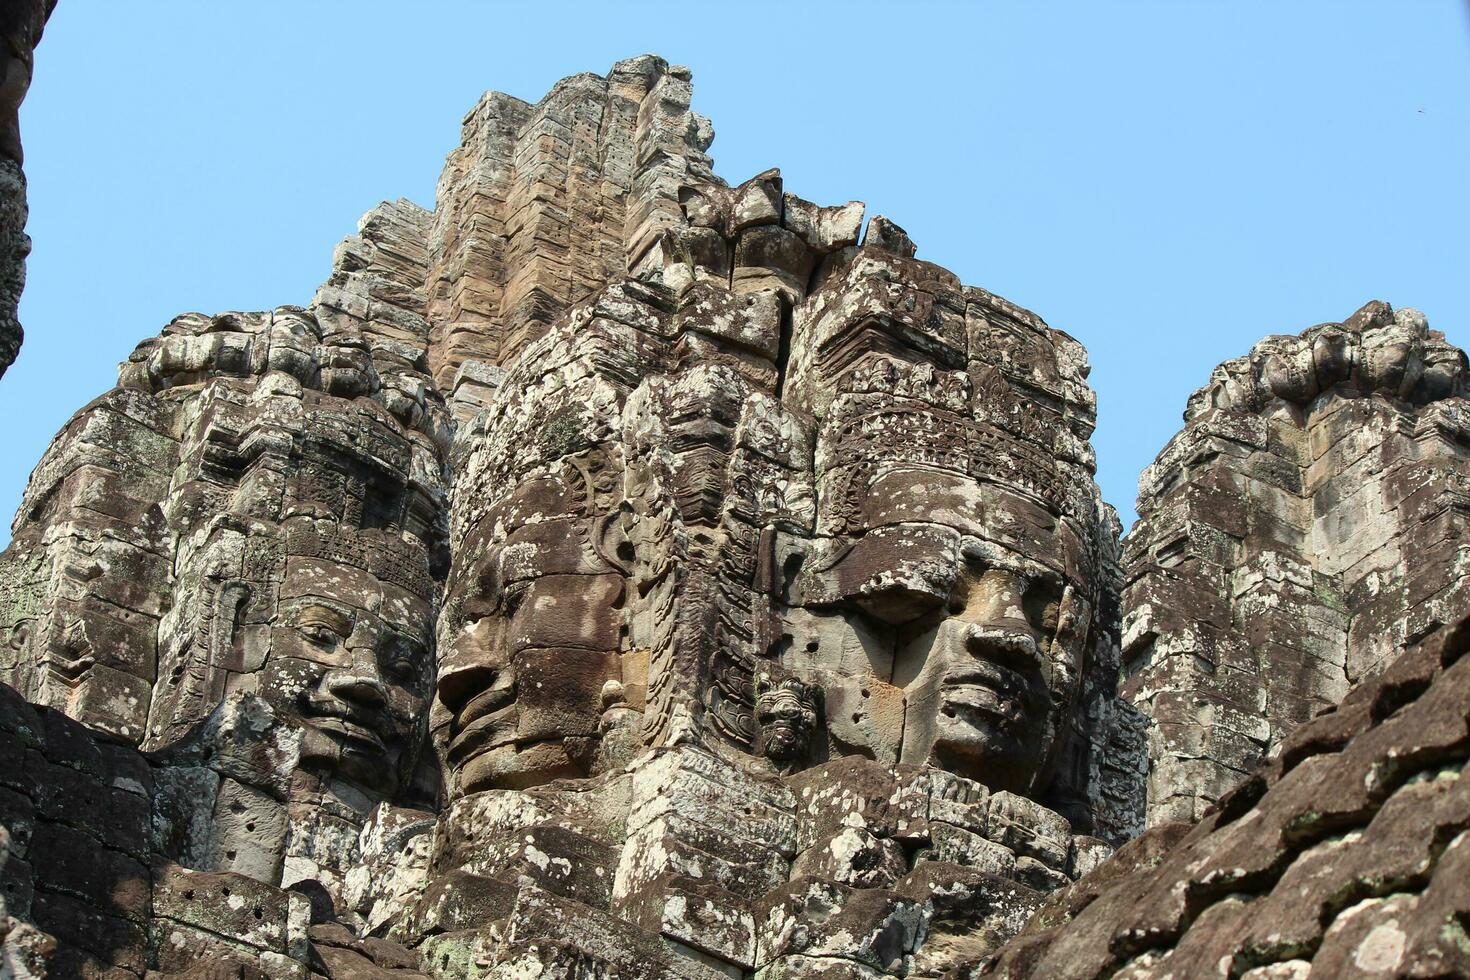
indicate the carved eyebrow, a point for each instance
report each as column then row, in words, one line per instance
column 403, row 641
column 988, row 555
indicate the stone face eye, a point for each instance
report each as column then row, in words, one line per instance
column 1042, row 603
column 319, row 633
column 400, row 663
column 511, row 598
column 323, row 625
column 1048, row 618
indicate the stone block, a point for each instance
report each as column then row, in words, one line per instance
column 555, row 927
column 876, row 928
column 955, row 845
column 1030, row 830
column 458, row 901
column 853, row 856
column 250, row 912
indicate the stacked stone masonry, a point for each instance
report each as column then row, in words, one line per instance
column 618, row 573
column 1305, row 527
column 1347, row 856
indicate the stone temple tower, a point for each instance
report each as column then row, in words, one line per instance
column 614, row 572
column 1304, row 528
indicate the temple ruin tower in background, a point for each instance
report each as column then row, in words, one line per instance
column 739, row 566
column 21, row 22
column 1305, row 527
column 541, row 205
column 229, row 561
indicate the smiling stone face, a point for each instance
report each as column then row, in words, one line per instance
column 330, row 627
column 958, row 533
column 533, row 638
column 990, row 685
column 988, row 643
column 354, row 674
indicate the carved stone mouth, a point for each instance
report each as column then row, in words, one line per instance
column 981, row 673
column 69, row 671
column 981, row 698
column 349, row 730
column 355, row 724
column 487, row 702
column 782, row 731
column 478, row 724
column 782, row 741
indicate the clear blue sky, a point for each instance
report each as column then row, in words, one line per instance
column 1168, row 182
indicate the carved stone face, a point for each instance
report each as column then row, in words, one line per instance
column 786, row 718
column 352, row 667
column 989, row 684
column 329, row 625
column 982, row 589
column 532, row 643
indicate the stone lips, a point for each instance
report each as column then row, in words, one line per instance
column 614, row 572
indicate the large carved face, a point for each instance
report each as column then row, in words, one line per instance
column 329, row 625
column 531, row 639
column 989, row 685
column 943, row 545
column 349, row 661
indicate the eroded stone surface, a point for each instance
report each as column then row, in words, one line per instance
column 1305, row 527
column 1347, row 859
column 21, row 23
column 618, row 573
column 558, row 563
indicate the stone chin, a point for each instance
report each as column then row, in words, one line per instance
column 973, row 741
column 784, row 742
column 983, row 711
column 519, row 767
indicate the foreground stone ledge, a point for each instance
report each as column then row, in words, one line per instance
column 1347, row 857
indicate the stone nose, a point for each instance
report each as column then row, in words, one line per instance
column 1014, row 643
column 360, row 681
column 355, row 686
column 787, row 710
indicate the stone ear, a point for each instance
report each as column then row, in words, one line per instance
column 1074, row 614
column 225, row 652
column 611, row 540
column 231, row 600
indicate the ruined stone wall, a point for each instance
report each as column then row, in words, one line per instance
column 610, row 546
column 20, row 31
column 1348, row 855
column 93, row 892
column 524, row 879
column 1302, row 530
column 542, row 205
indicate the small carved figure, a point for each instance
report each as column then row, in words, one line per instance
column 787, row 713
